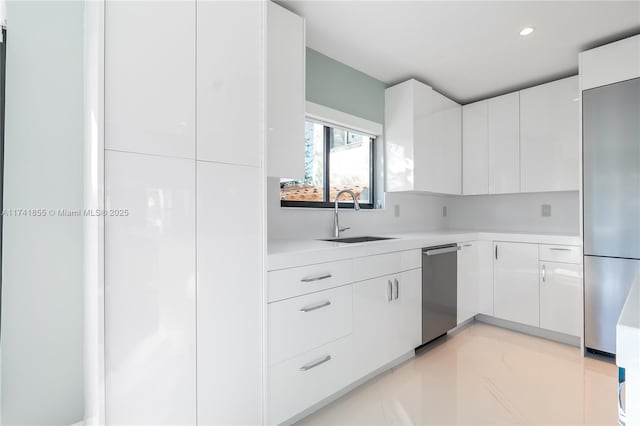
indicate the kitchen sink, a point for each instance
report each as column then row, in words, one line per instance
column 357, row 239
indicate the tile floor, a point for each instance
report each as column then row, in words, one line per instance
column 484, row 375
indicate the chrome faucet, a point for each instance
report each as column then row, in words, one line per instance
column 336, row 224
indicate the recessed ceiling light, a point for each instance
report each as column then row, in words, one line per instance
column 526, row 31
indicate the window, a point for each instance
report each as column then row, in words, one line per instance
column 335, row 159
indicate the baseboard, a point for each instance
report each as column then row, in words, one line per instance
column 530, row 330
column 328, row 400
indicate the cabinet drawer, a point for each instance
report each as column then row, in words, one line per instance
column 300, row 324
column 559, row 253
column 365, row 268
column 297, row 384
column 293, row 282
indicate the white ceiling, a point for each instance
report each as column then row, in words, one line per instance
column 468, row 50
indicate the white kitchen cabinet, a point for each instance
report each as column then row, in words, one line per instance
column 549, row 140
column 423, row 140
column 149, row 73
column 229, row 315
column 611, row 63
column 504, row 144
column 386, row 319
column 229, row 81
column 561, row 297
column 475, row 148
column 515, row 283
column 475, row 279
column 285, row 92
column 150, row 292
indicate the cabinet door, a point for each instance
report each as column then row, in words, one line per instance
column 549, row 141
column 405, row 313
column 150, row 77
column 515, row 285
column 504, row 144
column 475, row 152
column 561, row 297
column 150, row 306
column 467, row 281
column 483, row 262
column 371, row 323
column 438, row 147
column 285, row 93
column 229, row 96
column 229, row 279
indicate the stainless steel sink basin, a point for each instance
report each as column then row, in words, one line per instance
column 357, row 239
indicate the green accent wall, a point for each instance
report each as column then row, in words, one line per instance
column 338, row 86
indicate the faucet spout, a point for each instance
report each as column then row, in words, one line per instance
column 336, row 221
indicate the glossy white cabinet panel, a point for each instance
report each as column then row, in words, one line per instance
column 385, row 264
column 372, row 301
column 423, row 140
column 406, row 314
column 560, row 253
column 475, row 148
column 229, row 315
column 468, row 286
column 611, row 63
column 504, row 144
column 549, row 140
column 150, row 292
column 285, row 92
column 483, row 257
column 297, row 384
column 561, row 297
column 292, row 282
column 150, row 77
column 229, row 78
column 302, row 323
column 515, row 283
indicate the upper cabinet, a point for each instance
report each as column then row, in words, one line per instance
column 285, row 92
column 504, row 144
column 549, row 140
column 611, row 63
column 229, row 77
column 525, row 141
column 149, row 74
column 423, row 140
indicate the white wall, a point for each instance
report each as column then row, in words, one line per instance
column 418, row 212
column 42, row 301
column 516, row 212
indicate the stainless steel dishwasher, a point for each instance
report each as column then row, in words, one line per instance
column 439, row 290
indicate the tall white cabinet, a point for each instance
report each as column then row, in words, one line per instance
column 184, row 140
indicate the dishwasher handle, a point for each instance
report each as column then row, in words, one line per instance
column 444, row 250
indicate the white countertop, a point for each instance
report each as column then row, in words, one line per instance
column 628, row 330
column 284, row 254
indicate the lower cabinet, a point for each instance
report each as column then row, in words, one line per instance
column 475, row 279
column 561, row 297
column 386, row 319
column 515, row 283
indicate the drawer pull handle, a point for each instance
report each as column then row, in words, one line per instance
column 395, row 281
column 314, row 307
column 559, row 249
column 544, row 273
column 389, row 291
column 314, row 364
column 317, row 278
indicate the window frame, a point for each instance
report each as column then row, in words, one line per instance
column 326, row 180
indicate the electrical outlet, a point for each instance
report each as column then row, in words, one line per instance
column 396, row 210
column 546, row 210
column 444, row 211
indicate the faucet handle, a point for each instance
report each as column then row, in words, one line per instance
column 344, row 229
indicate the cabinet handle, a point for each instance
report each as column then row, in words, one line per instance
column 559, row 249
column 314, row 364
column 389, row 291
column 467, row 245
column 317, row 278
column 314, row 307
column 395, row 280
column 544, row 273
column 496, row 252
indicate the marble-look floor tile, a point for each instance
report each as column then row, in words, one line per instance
column 484, row 375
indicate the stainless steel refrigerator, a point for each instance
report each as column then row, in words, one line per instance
column 611, row 176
